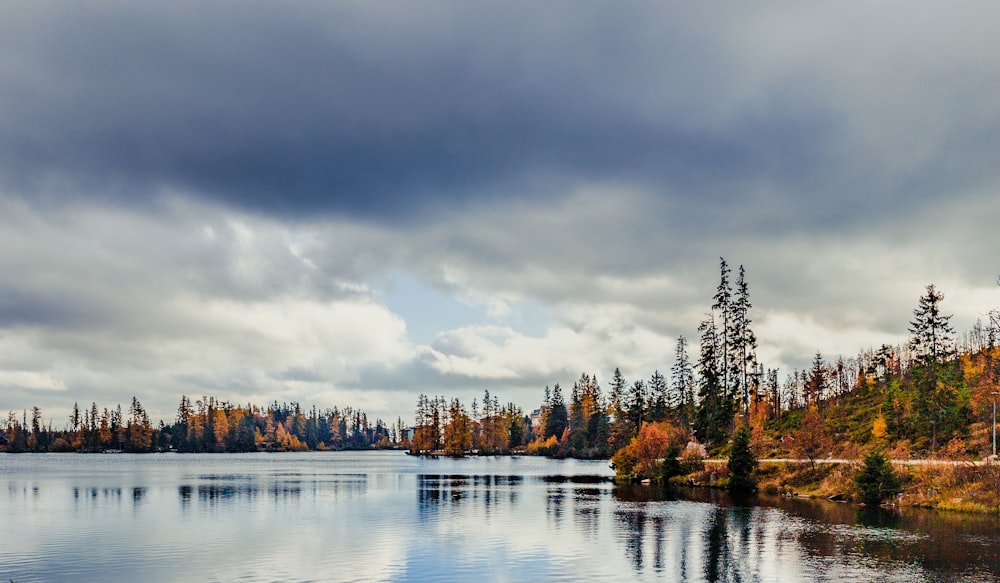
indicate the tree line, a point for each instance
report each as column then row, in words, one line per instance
column 203, row 425
column 928, row 394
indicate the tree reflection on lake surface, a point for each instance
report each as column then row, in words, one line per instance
column 798, row 539
column 384, row 516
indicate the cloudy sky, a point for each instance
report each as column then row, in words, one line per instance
column 350, row 203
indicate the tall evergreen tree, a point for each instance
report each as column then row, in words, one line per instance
column 744, row 341
column 598, row 431
column 557, row 420
column 932, row 339
column 637, row 407
column 723, row 306
column 620, row 426
column 933, row 345
column 815, row 385
column 682, row 382
column 712, row 413
column 659, row 397
column 577, row 421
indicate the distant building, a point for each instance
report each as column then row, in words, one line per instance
column 536, row 419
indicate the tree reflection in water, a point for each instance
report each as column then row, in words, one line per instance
column 704, row 535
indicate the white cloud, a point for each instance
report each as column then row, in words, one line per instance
column 30, row 380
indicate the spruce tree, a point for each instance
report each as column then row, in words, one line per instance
column 933, row 345
column 712, row 414
column 637, row 408
column 723, row 306
column 742, row 463
column 744, row 341
column 682, row 382
column 877, row 481
column 659, row 397
column 621, row 431
column 557, row 420
column 815, row 385
column 931, row 340
column 577, row 421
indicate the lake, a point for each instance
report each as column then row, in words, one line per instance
column 386, row 516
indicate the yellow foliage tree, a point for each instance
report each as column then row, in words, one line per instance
column 220, row 424
column 880, row 428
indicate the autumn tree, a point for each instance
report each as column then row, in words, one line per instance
column 139, row 432
column 457, row 433
column 423, row 439
column 645, row 453
column 811, row 438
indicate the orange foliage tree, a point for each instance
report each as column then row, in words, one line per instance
column 643, row 456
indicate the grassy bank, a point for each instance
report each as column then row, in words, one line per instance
column 961, row 488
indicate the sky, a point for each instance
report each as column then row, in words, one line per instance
column 351, row 203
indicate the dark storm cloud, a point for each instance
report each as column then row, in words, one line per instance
column 384, row 110
column 181, row 186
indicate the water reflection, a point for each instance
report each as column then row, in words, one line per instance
column 487, row 492
column 229, row 489
column 587, row 510
column 808, row 539
column 375, row 516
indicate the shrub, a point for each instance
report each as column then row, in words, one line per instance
column 60, row 445
column 541, row 446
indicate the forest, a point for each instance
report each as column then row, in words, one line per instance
column 931, row 396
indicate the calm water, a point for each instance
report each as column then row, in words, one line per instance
column 384, row 516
